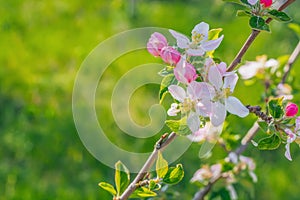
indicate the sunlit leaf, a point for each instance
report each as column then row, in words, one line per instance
column 161, row 166
column 108, row 187
column 276, row 108
column 179, row 126
column 174, row 175
column 165, row 83
column 122, row 177
column 142, row 192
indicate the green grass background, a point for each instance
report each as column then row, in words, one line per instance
column 43, row 44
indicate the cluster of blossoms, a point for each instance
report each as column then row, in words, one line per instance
column 204, row 89
column 207, row 173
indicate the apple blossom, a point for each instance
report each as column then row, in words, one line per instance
column 291, row 110
column 155, row 44
column 284, row 90
column 207, row 173
column 250, row 69
column 223, row 100
column 200, row 43
column 195, row 102
column 266, row 3
column 170, row 55
column 291, row 137
column 185, row 72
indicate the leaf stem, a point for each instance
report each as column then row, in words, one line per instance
column 290, row 62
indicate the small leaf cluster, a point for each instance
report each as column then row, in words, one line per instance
column 258, row 14
column 148, row 186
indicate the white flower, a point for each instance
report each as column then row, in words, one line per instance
column 200, row 43
column 291, row 137
column 223, row 100
column 195, row 101
column 251, row 68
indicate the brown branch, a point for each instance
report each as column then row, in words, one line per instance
column 290, row 62
column 161, row 144
column 250, row 40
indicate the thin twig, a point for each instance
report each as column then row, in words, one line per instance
column 250, row 40
column 161, row 144
column 290, row 62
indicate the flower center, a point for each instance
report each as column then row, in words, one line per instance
column 187, row 105
column 197, row 37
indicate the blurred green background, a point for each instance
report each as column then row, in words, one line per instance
column 43, row 44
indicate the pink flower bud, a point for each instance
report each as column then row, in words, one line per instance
column 155, row 44
column 266, row 3
column 291, row 110
column 185, row 72
column 170, row 55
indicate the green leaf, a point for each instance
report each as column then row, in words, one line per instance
column 153, row 185
column 269, row 143
column 263, row 125
column 174, row 175
column 276, row 108
column 165, row 83
column 233, row 1
column 122, row 177
column 212, row 35
column 179, row 126
column 279, row 16
column 161, row 166
column 258, row 23
column 108, row 187
column 166, row 71
column 243, row 13
column 142, row 192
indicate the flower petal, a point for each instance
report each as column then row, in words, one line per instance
column 193, row 122
column 249, row 70
column 183, row 42
column 215, row 77
column 195, row 52
column 204, row 108
column 252, row 2
column 200, row 90
column 202, row 29
column 218, row 114
column 230, row 81
column 297, row 124
column 212, row 44
column 287, row 152
column 177, row 92
column 235, row 106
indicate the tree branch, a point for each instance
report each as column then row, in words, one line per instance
column 290, row 62
column 160, row 145
column 250, row 40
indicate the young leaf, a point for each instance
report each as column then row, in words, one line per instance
column 246, row 2
column 276, row 108
column 179, row 126
column 212, row 35
column 161, row 166
column 108, row 187
column 243, row 13
column 279, row 16
column 166, row 71
column 165, row 83
column 174, row 175
column 142, row 192
column 122, row 177
column 269, row 143
column 258, row 23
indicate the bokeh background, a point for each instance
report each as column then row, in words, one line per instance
column 43, row 44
